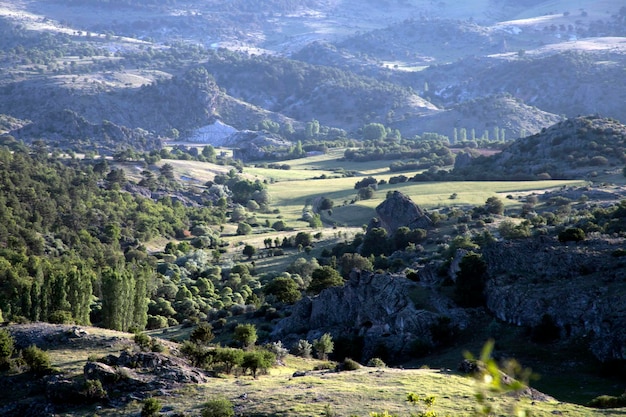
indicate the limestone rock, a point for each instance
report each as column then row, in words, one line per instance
column 376, row 307
column 399, row 210
column 577, row 285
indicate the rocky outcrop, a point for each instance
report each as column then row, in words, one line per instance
column 252, row 145
column 157, row 366
column 376, row 307
column 578, row 286
column 399, row 210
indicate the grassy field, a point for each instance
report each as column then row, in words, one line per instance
column 290, row 197
column 355, row 393
column 294, row 189
column 318, row 393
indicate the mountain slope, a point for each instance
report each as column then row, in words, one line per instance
column 575, row 148
column 484, row 115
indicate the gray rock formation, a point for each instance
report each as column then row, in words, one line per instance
column 251, row 145
column 578, row 285
column 377, row 307
column 399, row 210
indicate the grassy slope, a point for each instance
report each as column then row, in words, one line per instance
column 347, row 393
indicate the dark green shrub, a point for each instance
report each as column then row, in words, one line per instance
column 6, row 348
column 420, row 348
column 61, row 317
column 157, row 346
column 470, row 281
column 443, row 331
column 285, row 289
column 203, row 334
column 229, row 357
column 156, row 322
column 37, row 360
column 324, row 366
column 303, row 349
column 376, row 363
column 245, row 333
column 350, row 365
column 618, row 253
column 199, row 356
column 93, row 390
column 258, row 360
column 219, row 407
column 151, row 407
column 608, row 401
column 572, row 234
column 143, row 341
column 348, row 346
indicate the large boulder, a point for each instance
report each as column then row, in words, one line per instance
column 399, row 210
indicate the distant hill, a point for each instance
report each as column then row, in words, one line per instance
column 575, row 148
column 570, row 83
column 304, row 92
column 509, row 115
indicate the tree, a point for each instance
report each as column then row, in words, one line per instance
column 116, row 177
column 303, row 238
column 203, row 334
column 366, row 182
column 258, row 360
column 403, row 236
column 6, row 348
column 365, row 193
column 375, row 242
column 312, row 129
column 245, row 333
column 249, row 251
column 324, row 346
column 350, row 261
column 303, row 349
column 117, row 295
column 572, row 234
column 167, row 171
column 244, row 228
column 470, row 281
column 230, row 357
column 324, row 277
column 326, row 203
column 374, row 131
column 279, row 226
column 285, row 289
column 494, row 205
column 209, row 153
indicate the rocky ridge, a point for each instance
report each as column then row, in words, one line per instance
column 376, row 307
column 580, row 286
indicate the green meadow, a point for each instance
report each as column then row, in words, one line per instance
column 323, row 176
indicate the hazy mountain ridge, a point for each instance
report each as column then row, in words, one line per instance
column 389, row 89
